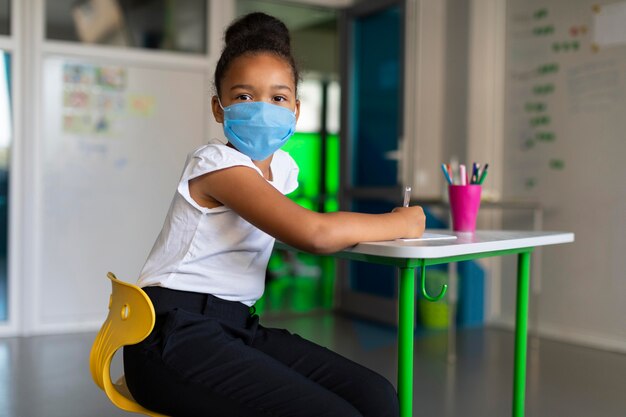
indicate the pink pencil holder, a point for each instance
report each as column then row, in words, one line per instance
column 464, row 205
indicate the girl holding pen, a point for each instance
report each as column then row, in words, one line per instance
column 208, row 355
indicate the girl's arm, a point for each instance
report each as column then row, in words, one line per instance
column 253, row 198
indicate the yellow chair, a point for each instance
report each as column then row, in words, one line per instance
column 130, row 320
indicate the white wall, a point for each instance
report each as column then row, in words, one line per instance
column 579, row 174
column 582, row 284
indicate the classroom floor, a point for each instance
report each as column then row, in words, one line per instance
column 48, row 376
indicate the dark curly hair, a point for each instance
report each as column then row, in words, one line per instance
column 255, row 33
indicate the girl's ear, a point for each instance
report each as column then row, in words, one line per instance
column 297, row 110
column 218, row 113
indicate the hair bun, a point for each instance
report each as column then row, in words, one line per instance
column 257, row 30
column 255, row 33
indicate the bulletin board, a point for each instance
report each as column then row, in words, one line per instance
column 565, row 146
column 112, row 147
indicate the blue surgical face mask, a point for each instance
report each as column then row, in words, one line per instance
column 258, row 129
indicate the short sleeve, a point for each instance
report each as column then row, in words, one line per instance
column 210, row 158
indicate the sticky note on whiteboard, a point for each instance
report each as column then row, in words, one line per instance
column 609, row 28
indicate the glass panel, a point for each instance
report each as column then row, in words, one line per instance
column 153, row 24
column 5, row 17
column 376, row 114
column 310, row 95
column 6, row 137
column 377, row 54
column 334, row 107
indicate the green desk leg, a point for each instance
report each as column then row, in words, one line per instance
column 405, row 341
column 521, row 333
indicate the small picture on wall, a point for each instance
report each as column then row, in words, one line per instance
column 77, row 99
column 111, row 78
column 78, row 74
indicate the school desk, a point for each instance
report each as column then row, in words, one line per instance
column 409, row 255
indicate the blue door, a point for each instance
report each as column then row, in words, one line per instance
column 372, row 111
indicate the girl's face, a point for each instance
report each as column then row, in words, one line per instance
column 257, row 77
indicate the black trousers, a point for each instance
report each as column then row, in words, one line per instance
column 211, row 357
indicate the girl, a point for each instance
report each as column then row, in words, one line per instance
column 208, row 355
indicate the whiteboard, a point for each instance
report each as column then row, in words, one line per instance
column 565, row 146
column 112, row 146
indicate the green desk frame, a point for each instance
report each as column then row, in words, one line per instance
column 406, row 326
column 408, row 256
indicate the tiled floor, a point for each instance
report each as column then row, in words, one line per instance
column 48, row 376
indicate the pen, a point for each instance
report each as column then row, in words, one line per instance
column 462, row 174
column 407, row 196
column 445, row 174
column 483, row 175
column 450, row 173
column 475, row 168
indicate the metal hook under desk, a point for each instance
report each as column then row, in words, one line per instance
column 444, row 288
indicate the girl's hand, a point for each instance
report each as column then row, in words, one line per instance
column 415, row 220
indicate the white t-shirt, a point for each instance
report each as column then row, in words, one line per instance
column 214, row 250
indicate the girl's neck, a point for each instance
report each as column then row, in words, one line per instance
column 265, row 167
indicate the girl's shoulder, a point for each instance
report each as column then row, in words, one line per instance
column 214, row 156
column 217, row 151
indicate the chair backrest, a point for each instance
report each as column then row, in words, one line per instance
column 130, row 320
